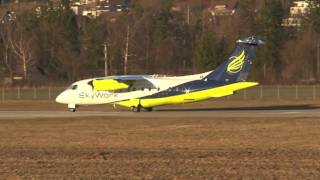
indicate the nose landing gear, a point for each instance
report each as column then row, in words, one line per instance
column 72, row 107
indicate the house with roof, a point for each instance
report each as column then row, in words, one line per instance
column 297, row 11
column 222, row 7
column 299, row 8
column 94, row 8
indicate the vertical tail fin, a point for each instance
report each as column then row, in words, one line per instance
column 236, row 68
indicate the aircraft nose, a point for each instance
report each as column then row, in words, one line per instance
column 61, row 98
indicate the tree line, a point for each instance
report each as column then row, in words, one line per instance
column 48, row 44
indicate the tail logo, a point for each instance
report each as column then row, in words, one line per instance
column 236, row 64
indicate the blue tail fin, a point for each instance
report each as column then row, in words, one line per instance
column 236, row 68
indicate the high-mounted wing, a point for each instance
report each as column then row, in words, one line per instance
column 108, row 85
column 115, row 83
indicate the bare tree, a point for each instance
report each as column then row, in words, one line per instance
column 21, row 45
column 126, row 52
column 6, row 50
column 5, row 35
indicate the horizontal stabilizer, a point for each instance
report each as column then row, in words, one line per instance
column 230, row 89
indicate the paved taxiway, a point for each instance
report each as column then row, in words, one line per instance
column 296, row 111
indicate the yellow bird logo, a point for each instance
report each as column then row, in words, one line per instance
column 236, row 64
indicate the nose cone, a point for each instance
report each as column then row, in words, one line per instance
column 62, row 98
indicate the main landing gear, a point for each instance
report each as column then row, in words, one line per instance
column 138, row 109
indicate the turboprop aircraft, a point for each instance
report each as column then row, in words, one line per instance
column 147, row 91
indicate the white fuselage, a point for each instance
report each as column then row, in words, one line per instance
column 84, row 94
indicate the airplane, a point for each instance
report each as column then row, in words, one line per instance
column 139, row 92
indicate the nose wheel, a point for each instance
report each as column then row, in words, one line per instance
column 72, row 107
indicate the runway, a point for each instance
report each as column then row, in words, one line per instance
column 253, row 112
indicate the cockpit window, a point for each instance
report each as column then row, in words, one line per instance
column 73, row 87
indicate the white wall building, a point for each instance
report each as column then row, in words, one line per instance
column 94, row 8
column 299, row 9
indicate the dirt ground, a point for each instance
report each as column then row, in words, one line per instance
column 188, row 148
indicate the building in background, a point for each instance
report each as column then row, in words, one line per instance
column 222, row 7
column 214, row 7
column 297, row 11
column 94, row 8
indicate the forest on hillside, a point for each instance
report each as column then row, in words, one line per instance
column 55, row 46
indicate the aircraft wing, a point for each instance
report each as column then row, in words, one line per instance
column 114, row 83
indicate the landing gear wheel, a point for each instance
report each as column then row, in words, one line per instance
column 132, row 108
column 72, row 109
column 136, row 109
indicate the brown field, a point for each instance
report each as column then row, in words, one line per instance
column 118, row 148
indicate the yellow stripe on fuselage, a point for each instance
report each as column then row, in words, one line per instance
column 189, row 97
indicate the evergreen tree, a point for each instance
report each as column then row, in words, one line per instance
column 270, row 28
column 209, row 52
column 313, row 16
column 312, row 22
column 162, row 21
column 94, row 37
column 60, row 47
column 247, row 15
